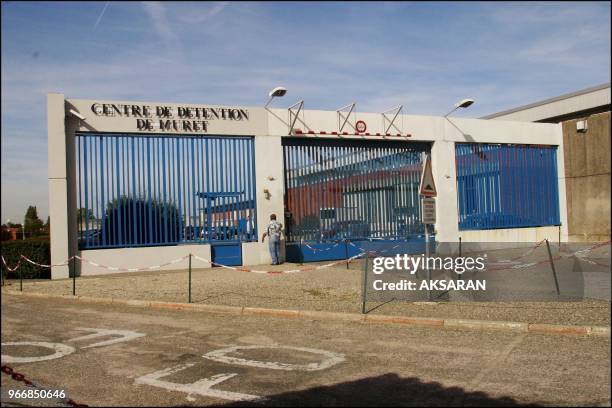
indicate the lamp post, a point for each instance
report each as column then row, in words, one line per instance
column 277, row 92
column 464, row 103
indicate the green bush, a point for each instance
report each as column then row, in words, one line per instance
column 6, row 235
column 138, row 218
column 38, row 250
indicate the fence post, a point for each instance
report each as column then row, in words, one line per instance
column 20, row 280
column 346, row 252
column 365, row 285
column 73, row 275
column 189, row 277
column 552, row 265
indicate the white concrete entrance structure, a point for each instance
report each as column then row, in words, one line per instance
column 269, row 126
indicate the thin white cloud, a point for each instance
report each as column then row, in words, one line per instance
column 100, row 16
column 158, row 14
column 201, row 15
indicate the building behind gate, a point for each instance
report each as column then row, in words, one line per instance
column 153, row 182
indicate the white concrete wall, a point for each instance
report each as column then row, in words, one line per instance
column 535, row 234
column 58, row 187
column 257, row 253
column 269, row 175
column 128, row 258
column 554, row 108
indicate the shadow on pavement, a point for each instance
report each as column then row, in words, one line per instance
column 385, row 390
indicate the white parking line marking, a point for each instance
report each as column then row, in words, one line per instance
column 60, row 350
column 221, row 356
column 126, row 335
column 200, row 387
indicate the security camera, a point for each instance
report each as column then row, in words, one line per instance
column 77, row 114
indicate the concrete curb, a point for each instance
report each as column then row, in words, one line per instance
column 462, row 324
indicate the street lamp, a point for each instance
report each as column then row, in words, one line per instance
column 277, row 92
column 464, row 103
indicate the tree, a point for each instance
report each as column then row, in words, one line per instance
column 47, row 226
column 32, row 223
column 84, row 214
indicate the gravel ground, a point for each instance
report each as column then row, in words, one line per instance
column 332, row 289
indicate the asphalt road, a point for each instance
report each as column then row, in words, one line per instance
column 172, row 358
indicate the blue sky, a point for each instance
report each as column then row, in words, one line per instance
column 425, row 56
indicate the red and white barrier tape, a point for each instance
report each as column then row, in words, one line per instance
column 369, row 251
column 586, row 250
column 8, row 267
column 561, row 256
column 579, row 254
column 320, row 250
column 528, row 252
column 115, row 268
column 66, row 262
column 311, row 268
column 33, row 263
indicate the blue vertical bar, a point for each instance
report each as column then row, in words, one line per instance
column 134, row 180
column 172, row 183
column 139, row 207
column 136, row 140
column 548, row 186
column 473, row 185
column 153, row 189
column 96, row 158
column 243, row 202
column 162, row 190
column 125, row 191
column 186, row 189
column 535, row 189
column 192, row 192
column 245, row 180
column 247, row 188
column 108, row 193
column 222, row 183
column 179, row 165
column 557, row 216
column 207, row 164
column 549, row 179
column 149, row 204
column 287, row 192
column 254, row 184
column 226, row 165
column 197, row 188
column 235, row 210
column 86, row 182
column 107, row 223
column 296, row 190
column 131, row 177
column 163, row 169
column 117, row 212
column 78, row 140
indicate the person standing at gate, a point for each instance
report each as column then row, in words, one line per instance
column 274, row 231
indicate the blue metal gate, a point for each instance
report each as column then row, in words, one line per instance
column 506, row 186
column 343, row 196
column 151, row 190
